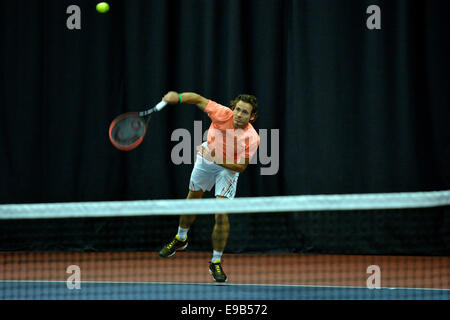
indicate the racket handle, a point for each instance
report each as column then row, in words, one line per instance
column 161, row 105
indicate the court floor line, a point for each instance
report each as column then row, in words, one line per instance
column 223, row 284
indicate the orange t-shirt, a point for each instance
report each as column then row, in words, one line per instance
column 228, row 143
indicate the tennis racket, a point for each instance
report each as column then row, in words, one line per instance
column 127, row 131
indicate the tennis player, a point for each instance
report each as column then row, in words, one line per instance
column 231, row 143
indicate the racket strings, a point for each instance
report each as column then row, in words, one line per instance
column 129, row 130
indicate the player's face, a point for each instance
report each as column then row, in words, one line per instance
column 242, row 114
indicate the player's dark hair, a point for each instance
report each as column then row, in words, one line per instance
column 248, row 99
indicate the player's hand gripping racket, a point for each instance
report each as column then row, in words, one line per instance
column 127, row 131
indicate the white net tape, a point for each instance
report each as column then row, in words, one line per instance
column 338, row 202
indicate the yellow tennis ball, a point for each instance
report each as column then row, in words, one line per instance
column 102, row 7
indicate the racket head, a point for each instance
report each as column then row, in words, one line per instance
column 127, row 131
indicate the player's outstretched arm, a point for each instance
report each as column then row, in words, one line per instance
column 173, row 97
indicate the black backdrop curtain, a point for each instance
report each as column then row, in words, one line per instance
column 357, row 110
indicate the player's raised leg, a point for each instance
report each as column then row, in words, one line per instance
column 179, row 242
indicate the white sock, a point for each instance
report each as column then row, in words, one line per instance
column 216, row 256
column 182, row 233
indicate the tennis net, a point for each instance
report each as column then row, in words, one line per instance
column 355, row 246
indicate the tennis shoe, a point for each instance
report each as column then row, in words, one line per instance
column 175, row 245
column 215, row 269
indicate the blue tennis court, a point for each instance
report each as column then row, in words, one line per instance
column 58, row 290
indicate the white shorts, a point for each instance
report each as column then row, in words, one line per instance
column 206, row 174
